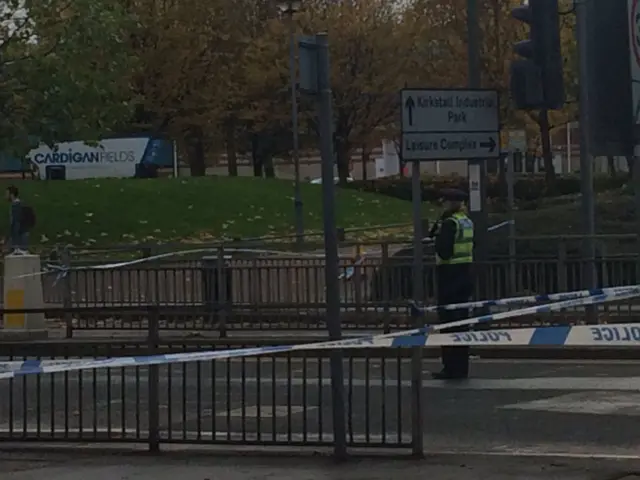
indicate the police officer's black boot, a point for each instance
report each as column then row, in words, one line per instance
column 455, row 364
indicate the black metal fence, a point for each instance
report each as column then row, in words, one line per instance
column 299, row 284
column 288, row 293
column 282, row 399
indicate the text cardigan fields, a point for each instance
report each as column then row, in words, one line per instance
column 59, row 158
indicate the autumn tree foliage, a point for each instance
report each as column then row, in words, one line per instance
column 187, row 52
column 64, row 71
column 441, row 29
column 367, row 61
column 215, row 75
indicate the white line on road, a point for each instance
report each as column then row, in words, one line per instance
column 547, row 383
column 621, row 384
column 547, row 450
column 590, row 403
column 267, row 411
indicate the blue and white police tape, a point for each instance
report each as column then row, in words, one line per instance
column 62, row 270
column 57, row 268
column 616, row 335
column 621, row 335
column 618, row 295
column 417, row 310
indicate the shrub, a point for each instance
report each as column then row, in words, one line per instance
column 526, row 189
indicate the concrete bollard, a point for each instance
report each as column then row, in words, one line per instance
column 23, row 289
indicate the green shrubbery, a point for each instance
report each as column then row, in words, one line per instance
column 526, row 189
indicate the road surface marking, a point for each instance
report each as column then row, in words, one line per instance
column 592, row 403
column 622, row 384
column 544, row 383
column 266, row 411
column 549, row 450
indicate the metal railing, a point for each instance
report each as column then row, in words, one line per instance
column 266, row 294
column 283, row 399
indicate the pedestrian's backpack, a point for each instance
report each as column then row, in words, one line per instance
column 28, row 220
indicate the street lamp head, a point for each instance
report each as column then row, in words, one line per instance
column 290, row 7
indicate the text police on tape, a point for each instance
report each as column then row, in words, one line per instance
column 353, row 342
column 615, row 334
column 482, row 337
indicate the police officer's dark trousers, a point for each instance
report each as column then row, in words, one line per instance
column 454, row 286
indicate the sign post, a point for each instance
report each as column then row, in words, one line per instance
column 443, row 125
column 315, row 79
column 452, row 124
column 516, row 147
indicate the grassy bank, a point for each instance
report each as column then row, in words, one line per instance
column 194, row 210
column 104, row 212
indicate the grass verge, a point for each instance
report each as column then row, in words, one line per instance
column 102, row 212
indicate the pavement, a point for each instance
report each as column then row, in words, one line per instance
column 572, row 409
column 18, row 466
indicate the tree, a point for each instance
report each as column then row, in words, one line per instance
column 370, row 57
column 264, row 116
column 64, row 71
column 368, row 54
column 189, row 53
column 253, row 110
column 440, row 32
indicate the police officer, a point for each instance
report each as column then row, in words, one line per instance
column 454, row 258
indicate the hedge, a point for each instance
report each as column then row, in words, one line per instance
column 526, row 189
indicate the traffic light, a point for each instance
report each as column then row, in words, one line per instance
column 537, row 78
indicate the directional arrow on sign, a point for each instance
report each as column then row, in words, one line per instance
column 490, row 145
column 410, row 105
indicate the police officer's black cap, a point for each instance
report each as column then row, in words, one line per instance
column 453, row 195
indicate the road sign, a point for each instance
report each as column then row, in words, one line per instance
column 450, row 111
column 449, row 124
column 449, row 145
column 517, row 141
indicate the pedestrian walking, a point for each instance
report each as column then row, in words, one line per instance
column 21, row 220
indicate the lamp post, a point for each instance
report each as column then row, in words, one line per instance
column 288, row 8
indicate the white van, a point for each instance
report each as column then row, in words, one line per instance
column 116, row 157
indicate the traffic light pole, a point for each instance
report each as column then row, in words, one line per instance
column 477, row 168
column 586, row 164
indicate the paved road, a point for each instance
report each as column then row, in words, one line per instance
column 112, row 467
column 588, row 408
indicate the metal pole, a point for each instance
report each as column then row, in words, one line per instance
column 473, row 44
column 511, row 165
column 176, row 171
column 295, row 153
column 325, row 120
column 569, row 147
column 418, row 296
column 416, row 199
column 478, row 213
column 635, row 180
column 586, row 164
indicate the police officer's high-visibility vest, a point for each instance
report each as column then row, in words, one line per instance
column 463, row 246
